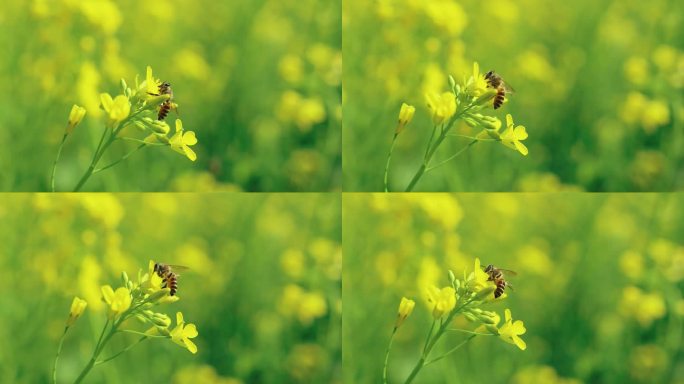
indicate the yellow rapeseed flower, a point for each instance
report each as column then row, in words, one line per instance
column 441, row 106
column 117, row 109
column 510, row 331
column 513, row 136
column 181, row 141
column 478, row 279
column 476, row 84
column 443, row 300
column 182, row 334
column 118, row 301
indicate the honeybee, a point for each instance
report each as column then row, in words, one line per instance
column 169, row 277
column 497, row 276
column 166, row 106
column 497, row 82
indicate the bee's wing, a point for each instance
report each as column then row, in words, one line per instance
column 508, row 272
column 177, row 268
column 508, row 88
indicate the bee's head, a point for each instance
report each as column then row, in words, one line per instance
column 490, row 267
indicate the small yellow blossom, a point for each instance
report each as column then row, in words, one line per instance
column 405, row 308
column 476, row 85
column 478, row 279
column 118, row 109
column 75, row 117
column 181, row 141
column 444, row 300
column 78, row 305
column 442, row 106
column 513, row 136
column 118, row 301
column 510, row 331
column 182, row 334
column 151, row 84
column 405, row 116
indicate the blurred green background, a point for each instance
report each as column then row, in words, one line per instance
column 598, row 86
column 263, row 286
column 599, row 285
column 259, row 81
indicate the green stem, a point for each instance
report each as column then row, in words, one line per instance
column 422, row 361
column 126, row 156
column 389, row 158
column 59, row 350
column 427, row 339
column 54, row 165
column 453, row 156
column 389, row 346
column 452, row 350
column 121, row 352
column 96, row 157
column 428, row 156
column 98, row 348
column 432, row 148
column 102, row 148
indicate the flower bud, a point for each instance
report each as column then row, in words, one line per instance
column 78, row 305
column 486, row 97
column 485, row 292
column 161, row 320
column 405, row 116
column 405, row 308
column 75, row 117
column 492, row 329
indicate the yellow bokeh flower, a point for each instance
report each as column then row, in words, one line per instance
column 510, row 331
column 182, row 334
column 181, row 141
column 644, row 307
column 443, row 300
column 117, row 109
column 405, row 308
column 513, row 136
column 78, row 305
column 442, row 107
column 118, row 301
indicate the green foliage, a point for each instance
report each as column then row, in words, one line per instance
column 599, row 285
column 263, row 287
column 258, row 81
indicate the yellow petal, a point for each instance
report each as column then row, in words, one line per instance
column 519, row 343
column 520, row 133
column 509, row 120
column 189, row 153
column 106, row 100
column 520, row 147
column 190, row 345
column 190, row 331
